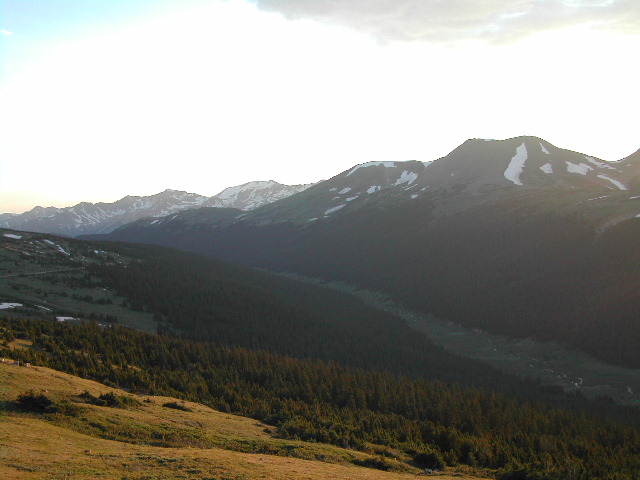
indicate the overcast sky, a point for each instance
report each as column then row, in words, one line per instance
column 101, row 99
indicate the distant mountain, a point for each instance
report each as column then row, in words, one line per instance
column 89, row 218
column 516, row 236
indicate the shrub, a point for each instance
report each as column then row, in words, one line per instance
column 36, row 402
column 40, row 403
column 377, row 463
column 177, row 406
column 110, row 400
column 431, row 460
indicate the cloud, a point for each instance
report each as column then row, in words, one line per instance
column 451, row 21
column 6, row 32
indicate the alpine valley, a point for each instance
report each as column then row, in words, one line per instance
column 517, row 237
column 305, row 310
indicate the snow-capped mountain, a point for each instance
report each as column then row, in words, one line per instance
column 252, row 195
column 476, row 169
column 526, row 162
column 514, row 236
column 99, row 218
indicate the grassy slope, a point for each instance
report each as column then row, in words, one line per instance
column 123, row 443
column 48, row 295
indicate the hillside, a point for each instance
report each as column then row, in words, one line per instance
column 147, row 437
column 392, row 417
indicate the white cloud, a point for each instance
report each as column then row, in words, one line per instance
column 6, row 32
column 447, row 21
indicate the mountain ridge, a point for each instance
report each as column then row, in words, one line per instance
column 483, row 236
column 102, row 217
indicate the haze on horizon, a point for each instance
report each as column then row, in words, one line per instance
column 99, row 100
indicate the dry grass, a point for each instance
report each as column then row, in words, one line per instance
column 213, row 445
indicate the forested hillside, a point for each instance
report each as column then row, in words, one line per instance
column 433, row 422
column 547, row 265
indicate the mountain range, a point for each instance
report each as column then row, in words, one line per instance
column 88, row 218
column 515, row 236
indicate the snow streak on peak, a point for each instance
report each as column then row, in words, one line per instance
column 618, row 184
column 407, row 177
column 581, row 168
column 544, row 150
column 230, row 192
column 516, row 166
column 372, row 164
column 334, row 209
column 598, row 164
column 547, row 168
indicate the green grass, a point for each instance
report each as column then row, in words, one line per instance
column 148, row 440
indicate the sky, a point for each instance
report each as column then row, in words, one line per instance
column 105, row 98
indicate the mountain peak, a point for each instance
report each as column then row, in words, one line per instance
column 88, row 218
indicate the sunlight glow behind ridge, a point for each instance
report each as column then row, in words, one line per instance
column 224, row 93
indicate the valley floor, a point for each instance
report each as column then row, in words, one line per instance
column 552, row 363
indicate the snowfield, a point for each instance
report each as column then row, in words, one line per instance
column 581, row 168
column 5, row 306
column 516, row 165
column 547, row 168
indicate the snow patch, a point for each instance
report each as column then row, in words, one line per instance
column 49, row 242
column 373, row 189
column 334, row 209
column 414, row 195
column 352, row 198
column 581, row 168
column 344, row 190
column 544, row 150
column 406, row 177
column 64, row 319
column 312, row 219
column 618, row 184
column 11, row 235
column 598, row 164
column 372, row 164
column 516, row 165
column 333, row 189
column 547, row 168
column 4, row 306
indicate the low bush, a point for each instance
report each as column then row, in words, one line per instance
column 36, row 402
column 177, row 406
column 40, row 403
column 110, row 400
